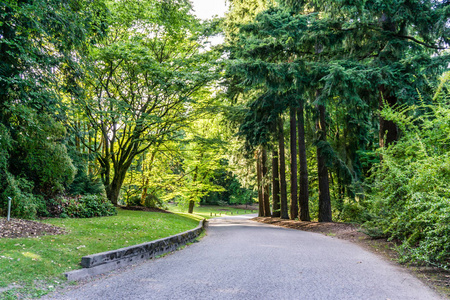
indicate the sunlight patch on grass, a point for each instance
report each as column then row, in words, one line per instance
column 211, row 211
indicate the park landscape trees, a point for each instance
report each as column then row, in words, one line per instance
column 339, row 63
column 317, row 105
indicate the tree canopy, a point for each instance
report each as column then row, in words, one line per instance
column 318, row 110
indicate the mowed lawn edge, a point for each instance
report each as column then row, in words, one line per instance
column 39, row 263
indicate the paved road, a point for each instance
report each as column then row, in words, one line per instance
column 242, row 259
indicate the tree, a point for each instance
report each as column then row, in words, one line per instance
column 40, row 41
column 303, row 196
column 282, row 159
column 344, row 52
column 293, row 147
column 275, row 186
column 324, row 188
column 142, row 89
column 266, row 193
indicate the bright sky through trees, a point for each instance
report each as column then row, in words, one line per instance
column 205, row 9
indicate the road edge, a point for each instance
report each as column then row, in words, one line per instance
column 100, row 263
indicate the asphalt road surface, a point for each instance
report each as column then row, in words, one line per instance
column 242, row 259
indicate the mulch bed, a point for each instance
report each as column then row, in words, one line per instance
column 17, row 228
column 344, row 231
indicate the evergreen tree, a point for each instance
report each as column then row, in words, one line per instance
column 351, row 55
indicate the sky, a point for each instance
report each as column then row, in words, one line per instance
column 205, row 9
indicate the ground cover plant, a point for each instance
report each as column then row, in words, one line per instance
column 36, row 265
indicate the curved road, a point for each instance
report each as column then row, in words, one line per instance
column 242, row 259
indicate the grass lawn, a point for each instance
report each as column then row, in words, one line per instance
column 211, row 211
column 36, row 264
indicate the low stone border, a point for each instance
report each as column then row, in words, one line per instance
column 103, row 262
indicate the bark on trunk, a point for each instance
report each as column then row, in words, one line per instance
column 191, row 206
column 192, row 202
column 282, row 159
column 388, row 129
column 324, row 188
column 275, row 186
column 113, row 190
column 303, row 197
column 293, row 148
column 260, row 192
column 389, row 132
column 266, row 193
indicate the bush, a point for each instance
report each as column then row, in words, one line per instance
column 410, row 196
column 134, row 201
column 153, row 201
column 24, row 204
column 353, row 211
column 87, row 206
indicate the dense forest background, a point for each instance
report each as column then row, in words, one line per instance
column 317, row 110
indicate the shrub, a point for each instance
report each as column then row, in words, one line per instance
column 134, row 201
column 24, row 204
column 86, row 206
column 410, row 196
column 153, row 201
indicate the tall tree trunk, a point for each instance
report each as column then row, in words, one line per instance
column 146, row 179
column 324, row 187
column 275, row 186
column 192, row 202
column 113, row 190
column 260, row 191
column 191, row 206
column 388, row 129
column 90, row 170
column 389, row 132
column 293, row 148
column 303, row 197
column 266, row 194
column 282, row 159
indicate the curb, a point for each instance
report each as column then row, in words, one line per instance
column 103, row 262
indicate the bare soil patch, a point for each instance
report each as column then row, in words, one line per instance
column 17, row 228
column 437, row 279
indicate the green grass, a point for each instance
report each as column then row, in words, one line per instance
column 37, row 264
column 211, row 211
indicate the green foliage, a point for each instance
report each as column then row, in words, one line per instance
column 24, row 204
column 153, row 201
column 233, row 192
column 410, row 193
column 145, row 81
column 83, row 182
column 87, row 206
column 40, row 41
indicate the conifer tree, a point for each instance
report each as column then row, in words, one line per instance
column 293, row 152
column 275, row 186
column 358, row 56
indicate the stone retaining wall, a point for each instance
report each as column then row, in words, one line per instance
column 99, row 263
